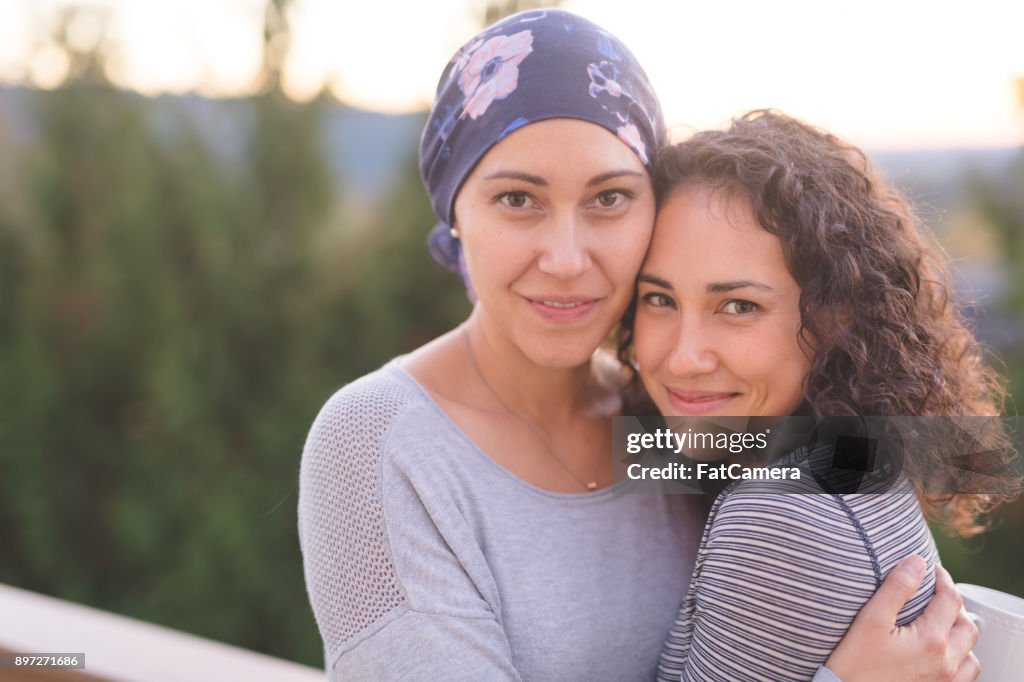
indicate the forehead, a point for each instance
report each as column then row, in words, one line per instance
column 560, row 147
column 702, row 231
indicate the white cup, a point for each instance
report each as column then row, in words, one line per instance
column 1000, row 620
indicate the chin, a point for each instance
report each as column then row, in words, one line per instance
column 562, row 353
column 555, row 359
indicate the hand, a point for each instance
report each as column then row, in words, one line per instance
column 936, row 647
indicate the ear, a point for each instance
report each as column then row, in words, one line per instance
column 826, row 324
column 842, row 317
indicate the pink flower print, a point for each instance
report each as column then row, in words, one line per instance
column 631, row 136
column 465, row 52
column 492, row 71
column 603, row 78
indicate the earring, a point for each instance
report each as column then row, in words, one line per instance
column 453, row 232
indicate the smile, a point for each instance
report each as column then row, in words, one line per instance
column 556, row 304
column 560, row 309
column 698, row 402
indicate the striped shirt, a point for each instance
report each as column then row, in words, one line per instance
column 780, row 576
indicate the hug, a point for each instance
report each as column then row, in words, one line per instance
column 458, row 515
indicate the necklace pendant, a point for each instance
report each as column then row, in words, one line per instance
column 592, row 485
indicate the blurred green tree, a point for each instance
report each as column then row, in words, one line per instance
column 158, row 377
column 1000, row 201
column 993, row 559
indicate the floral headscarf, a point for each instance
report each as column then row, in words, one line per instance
column 532, row 66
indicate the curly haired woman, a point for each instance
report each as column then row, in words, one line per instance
column 785, row 277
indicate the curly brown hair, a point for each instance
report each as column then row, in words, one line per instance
column 885, row 333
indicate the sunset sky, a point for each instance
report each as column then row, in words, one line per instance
column 885, row 73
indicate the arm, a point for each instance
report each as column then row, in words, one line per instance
column 774, row 592
column 379, row 619
column 424, row 646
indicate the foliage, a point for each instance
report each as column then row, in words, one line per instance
column 994, row 558
column 166, row 338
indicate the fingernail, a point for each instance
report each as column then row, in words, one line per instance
column 913, row 564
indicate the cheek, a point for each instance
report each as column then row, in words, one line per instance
column 494, row 256
column 631, row 246
column 782, row 372
column 793, row 356
column 622, row 246
column 652, row 341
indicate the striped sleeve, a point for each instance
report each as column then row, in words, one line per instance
column 779, row 578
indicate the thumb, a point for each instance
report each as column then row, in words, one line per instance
column 897, row 588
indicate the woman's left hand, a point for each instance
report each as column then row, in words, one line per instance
column 934, row 648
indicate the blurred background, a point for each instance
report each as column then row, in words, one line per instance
column 211, row 219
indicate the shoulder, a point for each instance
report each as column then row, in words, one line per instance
column 810, row 535
column 374, row 398
column 340, row 470
column 356, row 420
column 810, row 512
column 850, row 540
column 810, row 506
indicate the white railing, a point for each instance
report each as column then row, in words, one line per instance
column 123, row 649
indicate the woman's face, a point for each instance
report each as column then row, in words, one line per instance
column 554, row 222
column 718, row 312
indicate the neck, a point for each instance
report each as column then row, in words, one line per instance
column 544, row 394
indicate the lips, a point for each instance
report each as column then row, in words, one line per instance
column 565, row 306
column 687, row 402
column 562, row 308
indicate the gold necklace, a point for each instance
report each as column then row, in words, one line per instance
column 589, row 485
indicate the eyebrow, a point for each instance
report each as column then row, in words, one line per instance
column 722, row 287
column 541, row 182
column 713, row 288
column 516, row 175
column 656, row 281
column 605, row 177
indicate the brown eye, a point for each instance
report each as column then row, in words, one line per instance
column 658, row 300
column 514, row 199
column 610, row 199
column 740, row 307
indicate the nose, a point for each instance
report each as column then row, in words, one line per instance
column 565, row 253
column 694, row 352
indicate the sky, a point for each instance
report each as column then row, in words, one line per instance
column 883, row 73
